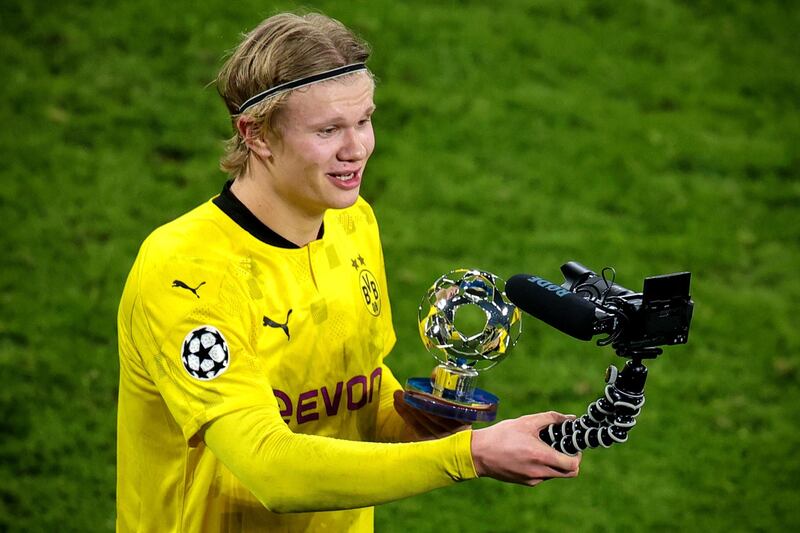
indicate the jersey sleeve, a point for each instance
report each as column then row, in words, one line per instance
column 196, row 349
column 291, row 472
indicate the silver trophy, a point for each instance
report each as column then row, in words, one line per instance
column 467, row 324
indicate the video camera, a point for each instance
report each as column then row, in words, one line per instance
column 634, row 322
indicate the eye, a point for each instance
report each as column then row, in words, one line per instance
column 328, row 131
column 365, row 121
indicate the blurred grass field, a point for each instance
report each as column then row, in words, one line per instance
column 654, row 136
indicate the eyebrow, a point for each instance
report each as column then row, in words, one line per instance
column 339, row 118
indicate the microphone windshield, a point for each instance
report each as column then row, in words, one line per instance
column 553, row 305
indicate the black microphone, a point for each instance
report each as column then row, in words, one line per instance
column 553, row 305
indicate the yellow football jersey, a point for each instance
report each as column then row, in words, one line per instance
column 220, row 314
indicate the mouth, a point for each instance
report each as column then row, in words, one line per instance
column 345, row 180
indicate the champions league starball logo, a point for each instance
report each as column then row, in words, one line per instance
column 205, row 353
column 467, row 323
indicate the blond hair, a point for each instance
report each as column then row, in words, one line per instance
column 282, row 48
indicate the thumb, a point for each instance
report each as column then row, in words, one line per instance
column 399, row 402
column 543, row 420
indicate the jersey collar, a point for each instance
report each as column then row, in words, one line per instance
column 238, row 212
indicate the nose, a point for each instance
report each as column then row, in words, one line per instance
column 354, row 146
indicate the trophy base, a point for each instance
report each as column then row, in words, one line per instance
column 482, row 407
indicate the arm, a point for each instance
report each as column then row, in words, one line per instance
column 291, row 472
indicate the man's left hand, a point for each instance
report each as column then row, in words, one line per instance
column 423, row 426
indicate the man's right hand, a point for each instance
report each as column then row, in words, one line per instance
column 512, row 451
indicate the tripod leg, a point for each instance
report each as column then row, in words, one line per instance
column 608, row 419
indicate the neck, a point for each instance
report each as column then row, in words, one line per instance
column 291, row 223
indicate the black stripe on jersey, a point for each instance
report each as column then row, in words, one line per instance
column 238, row 212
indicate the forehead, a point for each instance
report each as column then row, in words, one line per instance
column 346, row 96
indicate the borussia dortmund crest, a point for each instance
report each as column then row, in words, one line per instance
column 370, row 291
column 369, row 285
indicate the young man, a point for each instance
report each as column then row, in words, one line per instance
column 253, row 330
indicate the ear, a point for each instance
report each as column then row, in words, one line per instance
column 251, row 131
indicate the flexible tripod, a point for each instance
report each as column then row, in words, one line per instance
column 609, row 418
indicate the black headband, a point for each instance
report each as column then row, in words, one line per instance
column 302, row 82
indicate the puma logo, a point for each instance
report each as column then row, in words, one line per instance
column 181, row 285
column 285, row 326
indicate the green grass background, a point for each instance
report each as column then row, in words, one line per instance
column 654, row 136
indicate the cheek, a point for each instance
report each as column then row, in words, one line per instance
column 311, row 154
column 368, row 140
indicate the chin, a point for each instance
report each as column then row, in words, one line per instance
column 345, row 203
column 343, row 199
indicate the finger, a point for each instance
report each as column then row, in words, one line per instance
column 543, row 420
column 560, row 461
column 415, row 431
column 421, row 423
column 404, row 409
column 443, row 424
column 547, row 472
column 398, row 398
column 532, row 482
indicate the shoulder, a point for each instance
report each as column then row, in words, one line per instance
column 204, row 238
column 200, row 233
column 186, row 264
